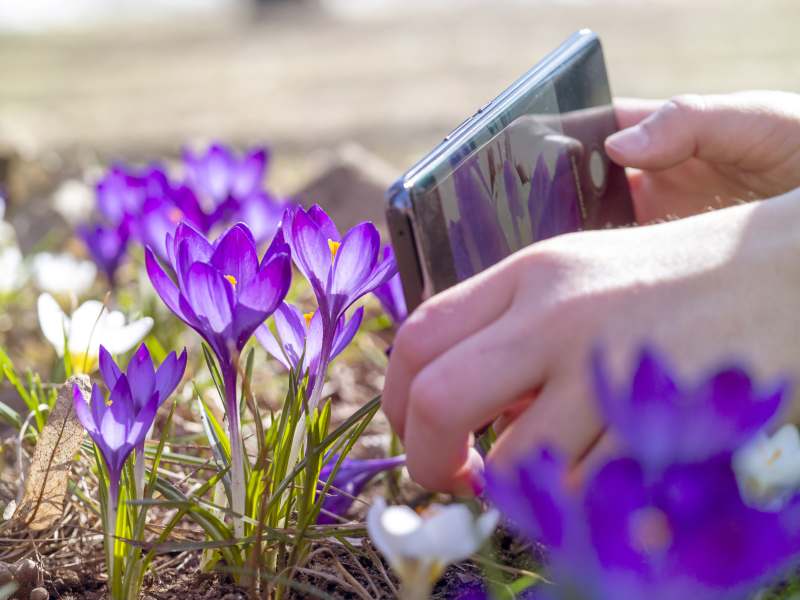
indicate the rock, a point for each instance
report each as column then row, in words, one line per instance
column 6, row 575
column 28, row 575
column 69, row 579
column 39, row 593
column 350, row 185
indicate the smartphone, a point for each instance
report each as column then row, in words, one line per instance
column 526, row 166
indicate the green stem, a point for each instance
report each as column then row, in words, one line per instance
column 237, row 451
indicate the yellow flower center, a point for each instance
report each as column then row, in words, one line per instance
column 775, row 456
column 175, row 215
column 334, row 246
column 109, row 402
column 231, row 279
column 308, row 316
column 82, row 362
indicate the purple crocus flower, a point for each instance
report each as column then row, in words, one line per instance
column 122, row 192
column 663, row 421
column 390, row 293
column 350, row 480
column 300, row 335
column 341, row 269
column 231, row 189
column 117, row 425
column 686, row 534
column 220, row 177
column 106, row 245
column 223, row 292
column 144, row 381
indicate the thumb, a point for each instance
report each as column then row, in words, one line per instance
column 720, row 129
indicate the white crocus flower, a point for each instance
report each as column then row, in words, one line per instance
column 73, row 200
column 90, row 326
column 12, row 269
column 420, row 547
column 768, row 469
column 63, row 274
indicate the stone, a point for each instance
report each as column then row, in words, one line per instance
column 350, row 185
column 39, row 593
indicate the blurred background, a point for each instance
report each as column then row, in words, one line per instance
column 83, row 82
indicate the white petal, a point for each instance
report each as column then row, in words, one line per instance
column 122, row 339
column 86, row 327
column 74, row 200
column 768, row 469
column 390, row 528
column 53, row 322
column 63, row 273
column 450, row 535
column 12, row 268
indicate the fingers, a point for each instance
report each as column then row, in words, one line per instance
column 439, row 324
column 563, row 416
column 608, row 445
column 721, row 129
column 462, row 390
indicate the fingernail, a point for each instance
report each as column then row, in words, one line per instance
column 478, row 482
column 629, row 141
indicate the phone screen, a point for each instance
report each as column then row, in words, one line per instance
column 530, row 168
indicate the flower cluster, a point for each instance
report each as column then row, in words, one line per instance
column 217, row 188
column 664, row 520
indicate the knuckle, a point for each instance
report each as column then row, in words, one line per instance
column 685, row 105
column 411, row 342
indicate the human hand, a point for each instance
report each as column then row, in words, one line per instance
column 694, row 152
column 514, row 341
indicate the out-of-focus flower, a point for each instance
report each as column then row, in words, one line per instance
column 63, row 274
column 91, row 325
column 420, row 546
column 73, row 200
column 221, row 178
column 13, row 269
column 350, row 480
column 686, row 534
column 665, row 520
column 768, row 468
column 145, row 381
column 222, row 291
column 123, row 191
column 116, row 425
column 663, row 421
column 390, row 293
column 106, row 245
column 301, row 338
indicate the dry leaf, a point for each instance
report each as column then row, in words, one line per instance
column 46, row 485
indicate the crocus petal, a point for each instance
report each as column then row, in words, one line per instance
column 381, row 274
column 142, row 421
column 169, row 375
column 310, row 248
column 116, row 420
column 164, row 285
column 235, row 255
column 86, row 328
column 83, row 412
column 345, row 334
column 390, row 526
column 125, row 338
column 210, row 295
column 450, row 534
column 249, row 173
column 291, row 329
column 108, row 368
column 324, row 222
column 355, row 259
column 198, row 248
column 141, row 377
column 53, row 322
column 261, row 295
column 271, row 345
